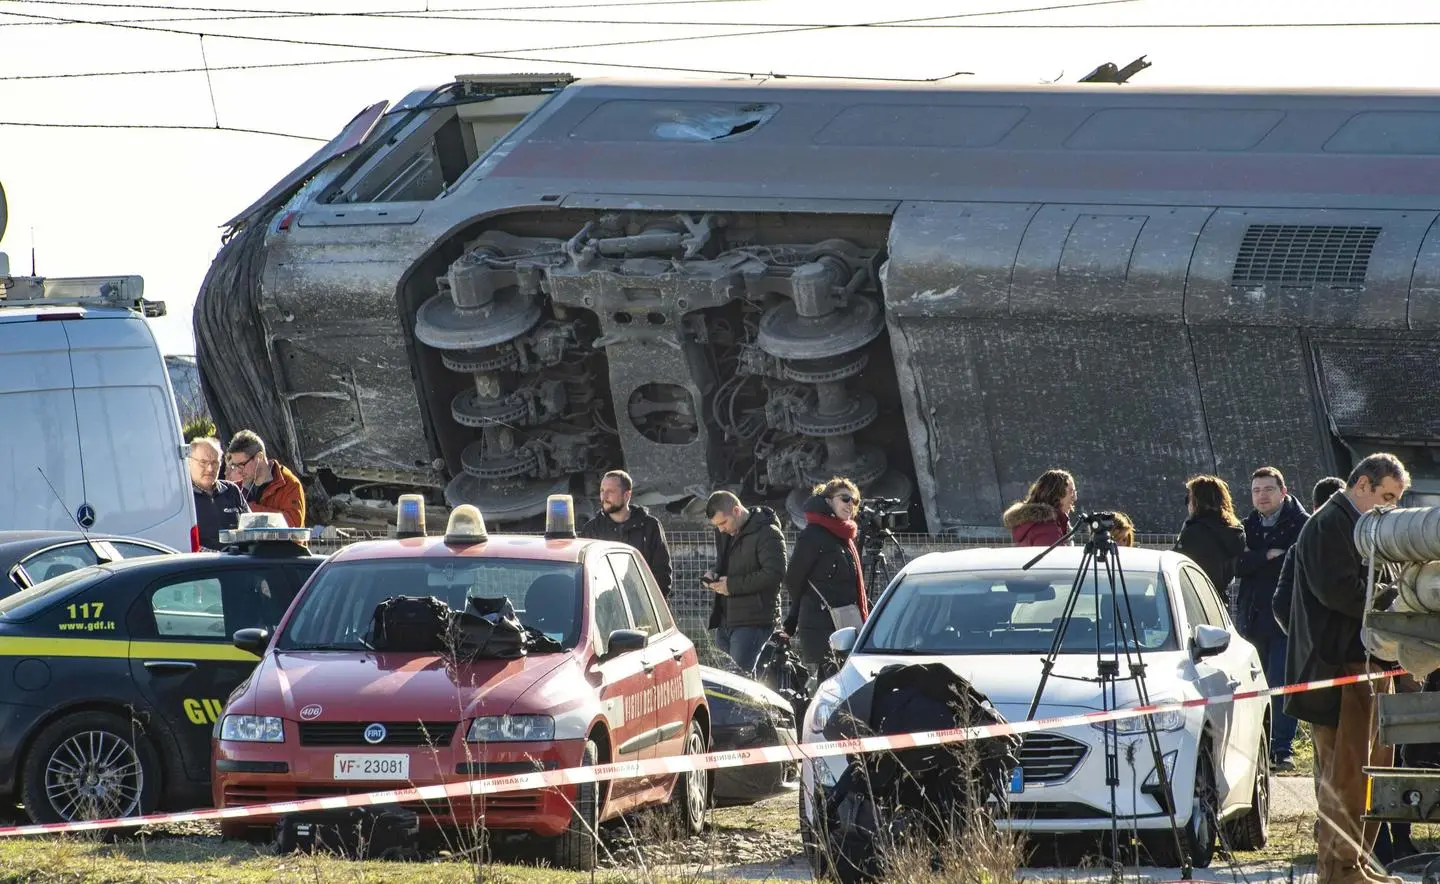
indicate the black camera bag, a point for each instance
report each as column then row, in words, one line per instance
column 410, row 623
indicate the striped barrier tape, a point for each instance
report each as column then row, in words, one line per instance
column 678, row 763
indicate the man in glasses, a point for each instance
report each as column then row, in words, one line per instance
column 218, row 503
column 269, row 485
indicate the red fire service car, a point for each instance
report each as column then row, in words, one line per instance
column 354, row 694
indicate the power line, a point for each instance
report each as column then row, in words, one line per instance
column 237, row 14
column 160, row 126
column 242, row 14
column 516, row 54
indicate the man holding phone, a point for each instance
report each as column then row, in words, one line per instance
column 749, row 571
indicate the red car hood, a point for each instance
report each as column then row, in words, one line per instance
column 398, row 687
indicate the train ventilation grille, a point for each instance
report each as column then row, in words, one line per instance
column 1294, row 254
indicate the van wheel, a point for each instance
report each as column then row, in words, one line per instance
column 90, row 766
column 577, row 848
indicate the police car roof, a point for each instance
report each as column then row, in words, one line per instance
column 498, row 546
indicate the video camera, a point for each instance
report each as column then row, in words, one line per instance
column 880, row 514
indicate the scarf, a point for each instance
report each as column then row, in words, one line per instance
column 847, row 531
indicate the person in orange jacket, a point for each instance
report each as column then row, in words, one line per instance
column 269, row 485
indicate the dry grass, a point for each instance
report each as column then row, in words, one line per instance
column 75, row 860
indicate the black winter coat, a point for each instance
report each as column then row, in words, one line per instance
column 218, row 510
column 1259, row 574
column 642, row 531
column 823, row 561
column 1214, row 546
column 753, row 565
column 1326, row 609
column 1284, row 591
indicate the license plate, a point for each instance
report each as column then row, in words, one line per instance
column 354, row 766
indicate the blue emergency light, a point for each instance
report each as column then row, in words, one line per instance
column 410, row 516
column 559, row 517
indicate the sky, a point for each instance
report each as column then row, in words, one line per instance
column 106, row 201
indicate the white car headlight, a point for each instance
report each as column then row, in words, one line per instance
column 1170, row 720
column 823, row 706
column 252, row 729
column 511, row 729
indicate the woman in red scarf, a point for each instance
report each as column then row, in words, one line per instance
column 823, row 579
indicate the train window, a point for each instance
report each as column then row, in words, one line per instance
column 1416, row 132
column 919, row 125
column 672, row 121
column 1178, row 128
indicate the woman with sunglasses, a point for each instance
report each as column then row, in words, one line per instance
column 1043, row 517
column 823, row 579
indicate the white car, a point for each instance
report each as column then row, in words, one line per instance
column 977, row 612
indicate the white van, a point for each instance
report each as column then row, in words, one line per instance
column 89, row 432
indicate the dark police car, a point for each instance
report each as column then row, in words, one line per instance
column 112, row 676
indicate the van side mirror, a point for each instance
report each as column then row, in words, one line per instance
column 1207, row 641
column 254, row 640
column 842, row 641
column 623, row 641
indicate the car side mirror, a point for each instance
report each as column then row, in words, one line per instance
column 623, row 641
column 842, row 641
column 1207, row 641
column 253, row 640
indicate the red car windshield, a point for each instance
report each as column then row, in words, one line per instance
column 336, row 611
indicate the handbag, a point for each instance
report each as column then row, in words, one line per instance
column 841, row 615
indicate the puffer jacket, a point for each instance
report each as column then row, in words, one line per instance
column 753, row 565
column 282, row 494
column 1035, row 524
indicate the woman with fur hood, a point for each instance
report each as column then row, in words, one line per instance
column 1043, row 517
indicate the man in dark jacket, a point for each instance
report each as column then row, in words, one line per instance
column 1270, row 531
column 1285, row 585
column 749, row 570
column 1326, row 613
column 218, row 504
column 625, row 522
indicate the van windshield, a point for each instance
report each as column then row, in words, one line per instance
column 336, row 610
column 28, row 602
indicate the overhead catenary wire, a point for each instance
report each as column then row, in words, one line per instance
column 34, row 124
column 514, row 55
column 463, row 14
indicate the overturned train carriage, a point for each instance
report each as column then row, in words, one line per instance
column 497, row 289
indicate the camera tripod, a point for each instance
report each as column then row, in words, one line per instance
column 1100, row 550
column 877, row 564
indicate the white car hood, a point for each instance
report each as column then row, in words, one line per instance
column 1010, row 680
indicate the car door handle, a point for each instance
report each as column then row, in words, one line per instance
column 649, row 666
column 1233, row 684
column 176, row 665
column 677, row 654
column 1256, row 672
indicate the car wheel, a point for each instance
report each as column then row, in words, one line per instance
column 1198, row 833
column 90, row 766
column 692, row 790
column 578, row 846
column 819, row 867
column 1252, row 831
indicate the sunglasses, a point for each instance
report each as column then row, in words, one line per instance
column 844, row 498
